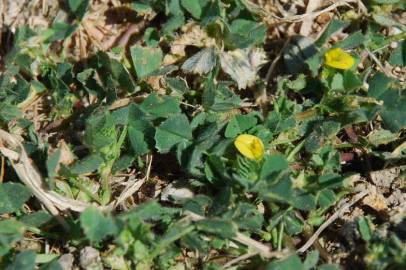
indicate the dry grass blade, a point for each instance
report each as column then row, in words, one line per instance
column 379, row 64
column 30, row 176
column 2, row 169
column 274, row 62
column 331, row 219
column 239, row 259
column 134, row 186
column 301, row 17
column 307, row 22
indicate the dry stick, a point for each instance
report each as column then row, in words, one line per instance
column 362, row 7
column 307, row 22
column 331, row 219
column 298, row 18
column 239, row 259
column 21, row 172
column 17, row 161
column 24, row 107
column 132, row 30
column 308, row 232
column 135, row 186
column 30, row 176
column 263, row 250
column 376, row 60
column 2, row 169
column 262, row 97
column 274, row 62
column 259, row 248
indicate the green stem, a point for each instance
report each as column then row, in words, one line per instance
column 345, row 145
column 274, row 233
column 105, row 179
column 85, row 190
column 280, row 235
column 295, row 150
column 105, row 172
column 390, row 39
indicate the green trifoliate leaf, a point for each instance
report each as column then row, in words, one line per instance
column 96, row 226
column 146, row 60
column 173, row 131
column 12, row 197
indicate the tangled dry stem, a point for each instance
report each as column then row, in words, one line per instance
column 12, row 148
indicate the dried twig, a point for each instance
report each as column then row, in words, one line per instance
column 262, row 96
column 123, row 39
column 274, row 62
column 331, row 219
column 257, row 246
column 134, row 187
column 30, row 176
column 301, row 17
column 263, row 250
column 2, row 169
column 362, row 7
column 238, row 259
column 376, row 60
column 307, row 22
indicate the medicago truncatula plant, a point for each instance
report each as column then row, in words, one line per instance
column 202, row 135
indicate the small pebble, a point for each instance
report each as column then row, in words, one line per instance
column 66, row 261
column 394, row 45
column 90, row 259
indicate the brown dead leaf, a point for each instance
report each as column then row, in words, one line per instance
column 67, row 157
column 397, row 198
column 243, row 65
column 119, row 103
column 384, row 178
column 192, row 35
column 375, row 200
column 155, row 83
column 170, row 59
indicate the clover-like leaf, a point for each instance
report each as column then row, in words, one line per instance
column 174, row 130
column 78, row 7
column 194, row 7
column 96, row 226
column 239, row 124
column 12, row 197
column 145, row 59
column 23, row 261
column 11, row 231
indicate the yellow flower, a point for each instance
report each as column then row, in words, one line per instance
column 250, row 146
column 337, row 58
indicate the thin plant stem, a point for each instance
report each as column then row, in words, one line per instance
column 280, row 235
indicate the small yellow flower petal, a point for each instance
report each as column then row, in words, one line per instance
column 250, row 146
column 339, row 59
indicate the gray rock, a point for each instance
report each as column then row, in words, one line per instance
column 90, row 259
column 66, row 261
